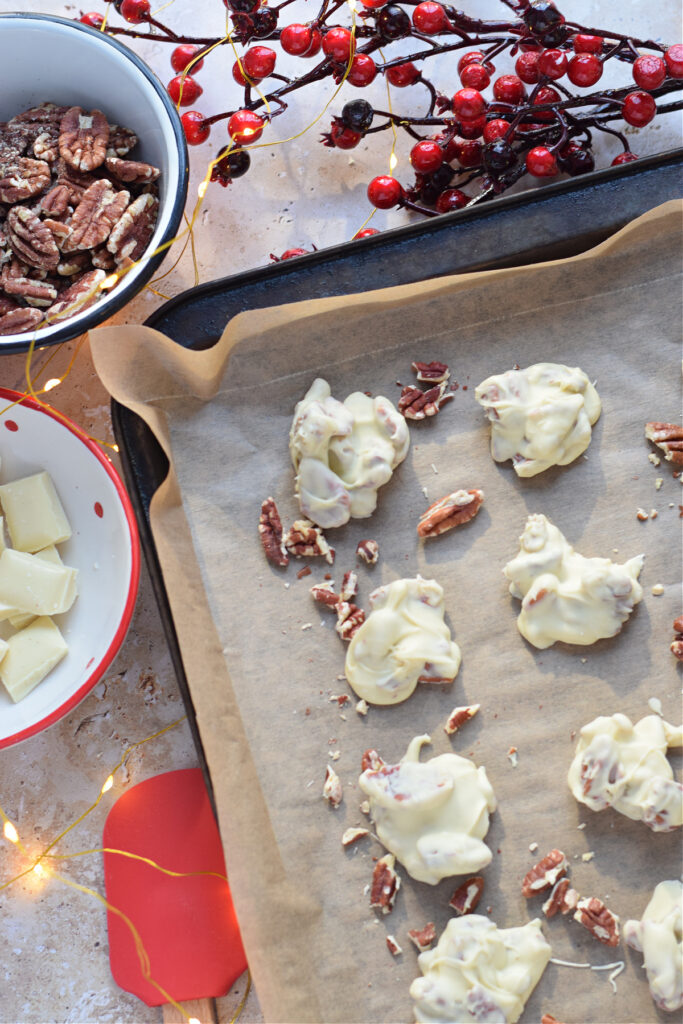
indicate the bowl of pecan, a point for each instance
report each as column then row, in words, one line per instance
column 93, row 178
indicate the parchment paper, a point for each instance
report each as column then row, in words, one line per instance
column 261, row 682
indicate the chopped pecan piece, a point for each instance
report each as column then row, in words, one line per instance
column 362, row 707
column 100, row 208
column 371, row 761
column 600, row 922
column 466, row 897
column 435, row 373
column 131, row 235
column 22, row 178
column 102, row 259
column 304, row 571
column 332, row 788
column 31, row 240
column 58, row 229
column 459, row 716
column 548, row 1018
column 561, row 898
column 121, row 140
column 74, row 263
column 678, row 624
column 393, row 946
column 668, row 437
column 304, row 540
column 352, row 835
column 14, row 280
column 453, row 510
column 7, row 304
column 133, row 172
column 77, row 297
column 416, row 404
column 544, row 874
column 270, row 532
column 677, row 648
column 423, row 937
column 324, row 593
column 83, row 139
column 46, row 146
column 349, row 620
column 16, row 321
column 368, row 550
column 349, row 586
column 385, row 884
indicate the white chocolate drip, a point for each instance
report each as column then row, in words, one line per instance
column 432, row 815
column 343, row 453
column 479, row 973
column 624, row 766
column 403, row 640
column 566, row 596
column 540, row 417
column 658, row 936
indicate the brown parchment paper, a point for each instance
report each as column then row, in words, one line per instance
column 261, row 681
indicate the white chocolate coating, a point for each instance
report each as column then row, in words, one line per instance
column 540, row 417
column 479, row 973
column 343, row 452
column 403, row 639
column 624, row 766
column 566, row 596
column 658, row 937
column 431, row 815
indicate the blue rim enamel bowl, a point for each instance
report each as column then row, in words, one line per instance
column 50, row 59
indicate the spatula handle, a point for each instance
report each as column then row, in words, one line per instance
column 203, row 1009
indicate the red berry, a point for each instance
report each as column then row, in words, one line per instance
column 426, row 156
column 526, row 67
column 135, row 11
column 238, row 74
column 624, row 158
column 471, row 57
column 183, row 55
column 546, row 94
column 337, row 44
column 468, row 104
column 300, row 40
column 195, row 130
column 374, row 4
column 289, row 254
column 363, row 70
column 587, row 44
column 92, row 18
column 259, row 62
column 541, row 163
column 509, row 89
column 475, row 76
column 429, row 17
column 496, row 129
column 184, row 90
column 245, row 127
column 649, row 71
column 384, row 192
column 674, row 60
column 469, row 153
column 365, row 233
column 473, row 129
column 639, row 108
column 451, row 199
column 343, row 137
column 402, row 75
column 585, row 69
column 552, row 63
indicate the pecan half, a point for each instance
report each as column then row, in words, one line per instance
column 15, row 280
column 371, row 761
column 423, row 938
column 544, row 874
column 131, row 171
column 74, row 263
column 46, row 146
column 77, row 297
column 561, row 898
column 31, row 240
column 459, row 716
column 16, row 321
column 131, row 235
column 100, row 208
column 393, row 946
column 466, row 897
column 270, row 533
column 352, row 835
column 668, row 437
column 83, row 139
column 435, row 373
column 600, row 922
column 56, row 201
column 453, row 510
column 416, row 404
column 304, row 540
column 23, row 178
column 368, row 550
column 7, row 304
column 385, row 884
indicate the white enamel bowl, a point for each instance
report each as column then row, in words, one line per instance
column 104, row 548
column 44, row 58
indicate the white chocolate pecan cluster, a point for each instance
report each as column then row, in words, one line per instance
column 659, row 937
column 540, row 417
column 343, row 452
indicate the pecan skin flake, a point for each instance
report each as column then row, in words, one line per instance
column 270, row 533
column 16, row 321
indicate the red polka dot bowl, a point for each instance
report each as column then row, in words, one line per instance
column 104, row 547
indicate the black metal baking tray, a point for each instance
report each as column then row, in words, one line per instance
column 554, row 222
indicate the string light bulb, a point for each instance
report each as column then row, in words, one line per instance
column 201, row 188
column 393, row 160
column 10, row 832
column 39, row 870
column 52, row 383
column 108, row 783
column 109, row 282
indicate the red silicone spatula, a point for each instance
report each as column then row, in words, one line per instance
column 188, row 926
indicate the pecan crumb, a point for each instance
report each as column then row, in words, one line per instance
column 459, row 716
column 600, row 922
column 368, row 550
column 544, row 874
column 393, row 946
column 341, row 699
column 305, row 540
column 466, row 897
column 416, row 404
column 423, row 938
column 385, row 884
column 641, row 514
column 332, row 788
column 304, row 571
column 352, row 835
column 434, row 372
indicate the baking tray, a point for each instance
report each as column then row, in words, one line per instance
column 555, row 222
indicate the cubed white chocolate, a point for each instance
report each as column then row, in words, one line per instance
column 21, row 619
column 31, row 654
column 34, row 513
column 2, row 534
column 31, row 584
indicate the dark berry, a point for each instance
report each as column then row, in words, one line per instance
column 475, row 76
column 230, row 164
column 432, row 185
column 541, row 163
column 337, row 44
column 429, row 17
column 384, row 192
column 362, row 71
column 526, row 67
column 184, row 90
column 552, row 64
column 242, row 6
column 576, row 160
column 195, row 130
column 135, row 11
column 587, row 44
column 265, row 22
column 92, row 18
column 245, row 127
column 357, row 115
column 300, row 40
column 468, row 104
column 183, row 56
column 649, row 71
column 556, row 37
column 402, row 75
column 426, row 156
column 393, row 22
column 498, row 156
column 624, row 158
column 674, row 60
column 509, row 89
column 451, row 199
column 639, row 108
column 495, row 129
column 585, row 69
column 541, row 16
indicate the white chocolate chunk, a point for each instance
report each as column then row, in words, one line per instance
column 31, row 654
column 540, row 417
column 624, row 766
column 431, row 815
column 36, row 586
column 35, row 517
column 566, row 596
column 343, row 453
column 21, row 619
column 478, row 972
column 403, row 640
column 658, row 936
